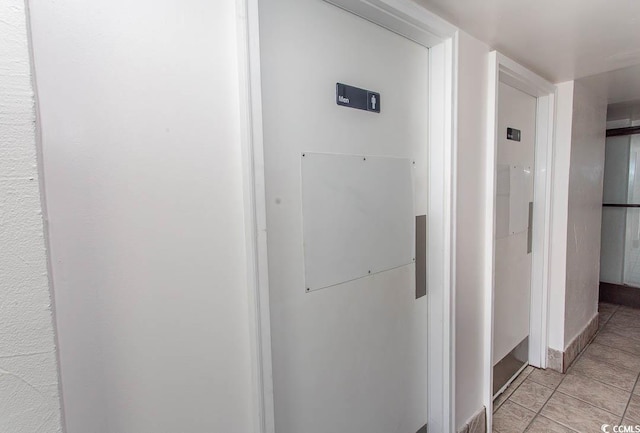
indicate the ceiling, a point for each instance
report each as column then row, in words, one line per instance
column 561, row 40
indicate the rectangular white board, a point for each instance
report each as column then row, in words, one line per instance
column 513, row 183
column 358, row 216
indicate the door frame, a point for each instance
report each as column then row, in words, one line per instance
column 415, row 23
column 505, row 70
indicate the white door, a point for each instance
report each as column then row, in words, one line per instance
column 351, row 357
column 514, row 201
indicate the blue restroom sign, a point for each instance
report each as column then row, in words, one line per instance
column 354, row 97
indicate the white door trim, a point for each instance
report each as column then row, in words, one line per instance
column 404, row 17
column 416, row 23
column 503, row 69
column 441, row 234
column 255, row 212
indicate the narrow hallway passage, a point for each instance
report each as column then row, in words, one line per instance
column 601, row 387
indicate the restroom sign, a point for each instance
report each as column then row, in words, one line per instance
column 354, row 97
column 513, row 134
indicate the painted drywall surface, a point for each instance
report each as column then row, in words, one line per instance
column 584, row 209
column 29, row 397
column 142, row 157
column 621, row 86
column 559, row 206
column 470, row 204
column 624, row 114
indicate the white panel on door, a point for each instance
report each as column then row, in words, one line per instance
column 358, row 216
column 513, row 184
column 503, row 188
column 520, row 184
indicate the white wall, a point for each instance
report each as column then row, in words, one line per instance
column 29, row 397
column 470, row 210
column 623, row 114
column 585, row 209
column 559, row 206
column 141, row 142
column 577, row 211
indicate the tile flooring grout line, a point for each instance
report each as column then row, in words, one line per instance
column 543, row 385
column 545, row 402
column 601, row 360
column 629, row 401
column 600, row 381
column 589, row 403
column 554, row 390
column 495, row 409
column 583, row 351
column 602, row 328
column 547, row 386
column 526, row 408
column 619, row 335
column 580, row 355
column 606, row 321
column 575, row 361
column 553, row 421
column 564, row 375
column 539, row 413
column 612, row 330
column 613, row 313
column 540, row 410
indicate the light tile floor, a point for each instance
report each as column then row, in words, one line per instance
column 601, row 387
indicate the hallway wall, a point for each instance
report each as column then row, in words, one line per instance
column 470, row 209
column 29, row 391
column 585, row 208
column 142, row 157
column 141, row 150
column 560, row 209
column 577, row 211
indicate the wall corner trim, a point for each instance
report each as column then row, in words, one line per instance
column 403, row 17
